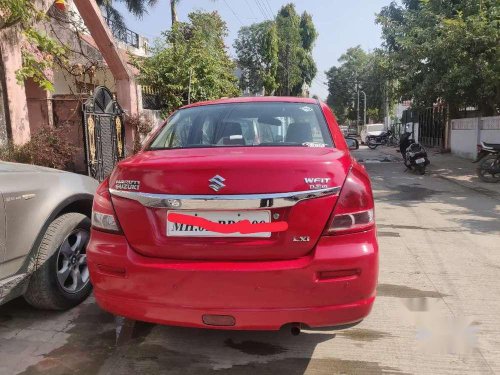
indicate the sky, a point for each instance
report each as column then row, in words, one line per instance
column 341, row 24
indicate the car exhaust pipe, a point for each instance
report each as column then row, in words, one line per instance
column 295, row 329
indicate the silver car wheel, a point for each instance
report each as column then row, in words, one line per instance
column 72, row 268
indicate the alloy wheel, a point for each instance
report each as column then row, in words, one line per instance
column 72, row 269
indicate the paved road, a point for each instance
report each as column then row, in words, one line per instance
column 437, row 311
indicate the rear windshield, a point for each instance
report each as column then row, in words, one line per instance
column 245, row 124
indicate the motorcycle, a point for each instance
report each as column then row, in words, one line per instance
column 414, row 155
column 489, row 162
column 384, row 138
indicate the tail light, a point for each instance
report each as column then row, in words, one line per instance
column 103, row 213
column 354, row 209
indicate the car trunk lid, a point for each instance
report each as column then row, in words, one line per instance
column 293, row 185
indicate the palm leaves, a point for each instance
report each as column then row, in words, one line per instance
column 137, row 7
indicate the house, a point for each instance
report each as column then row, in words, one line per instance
column 99, row 55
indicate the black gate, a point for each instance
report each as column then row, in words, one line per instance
column 431, row 124
column 104, row 133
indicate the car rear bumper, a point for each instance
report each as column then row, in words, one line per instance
column 254, row 295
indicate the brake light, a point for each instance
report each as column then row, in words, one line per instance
column 103, row 213
column 354, row 209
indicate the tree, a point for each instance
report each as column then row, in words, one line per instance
column 257, row 51
column 173, row 11
column 289, row 43
column 277, row 54
column 358, row 69
column 445, row 51
column 138, row 8
column 199, row 61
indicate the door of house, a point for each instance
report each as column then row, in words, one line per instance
column 104, row 133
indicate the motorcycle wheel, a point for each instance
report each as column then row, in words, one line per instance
column 489, row 163
column 372, row 145
column 421, row 169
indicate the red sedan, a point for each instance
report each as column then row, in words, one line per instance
column 244, row 213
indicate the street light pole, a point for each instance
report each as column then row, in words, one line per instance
column 364, row 113
column 357, row 110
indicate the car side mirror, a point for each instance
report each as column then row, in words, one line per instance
column 352, row 143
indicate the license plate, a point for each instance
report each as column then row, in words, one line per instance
column 220, row 217
column 420, row 161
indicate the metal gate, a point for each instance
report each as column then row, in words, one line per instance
column 431, row 124
column 104, row 133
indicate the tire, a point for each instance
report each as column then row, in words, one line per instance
column 485, row 164
column 46, row 289
column 372, row 145
column 421, row 169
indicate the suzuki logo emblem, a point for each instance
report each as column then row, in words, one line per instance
column 217, row 182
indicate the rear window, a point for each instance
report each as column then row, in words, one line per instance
column 245, row 124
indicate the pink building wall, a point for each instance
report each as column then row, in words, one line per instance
column 30, row 107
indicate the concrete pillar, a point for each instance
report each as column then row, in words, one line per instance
column 126, row 93
column 17, row 107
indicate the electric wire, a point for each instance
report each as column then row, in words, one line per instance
column 234, row 13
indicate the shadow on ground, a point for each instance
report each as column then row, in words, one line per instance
column 92, row 346
column 467, row 207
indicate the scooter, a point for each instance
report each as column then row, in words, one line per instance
column 489, row 162
column 414, row 155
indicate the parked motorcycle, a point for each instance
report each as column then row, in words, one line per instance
column 384, row 138
column 414, row 155
column 489, row 162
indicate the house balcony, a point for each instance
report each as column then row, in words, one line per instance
column 128, row 38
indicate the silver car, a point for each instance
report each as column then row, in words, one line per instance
column 44, row 230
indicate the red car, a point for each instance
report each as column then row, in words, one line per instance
column 244, row 213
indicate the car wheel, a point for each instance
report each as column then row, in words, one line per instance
column 61, row 279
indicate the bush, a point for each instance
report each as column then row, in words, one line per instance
column 48, row 147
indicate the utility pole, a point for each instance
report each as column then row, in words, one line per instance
column 387, row 119
column 287, row 67
column 357, row 109
column 364, row 113
column 189, row 87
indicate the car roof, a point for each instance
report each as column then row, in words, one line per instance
column 255, row 99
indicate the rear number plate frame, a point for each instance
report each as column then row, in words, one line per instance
column 221, row 217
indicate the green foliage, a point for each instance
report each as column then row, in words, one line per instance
column 38, row 59
column 369, row 72
column 445, row 51
column 308, row 32
column 39, row 51
column 14, row 12
column 257, row 51
column 136, row 7
column 277, row 55
column 195, row 49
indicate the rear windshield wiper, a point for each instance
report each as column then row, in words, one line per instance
column 180, row 147
column 280, row 144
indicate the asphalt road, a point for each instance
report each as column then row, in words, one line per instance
column 437, row 310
